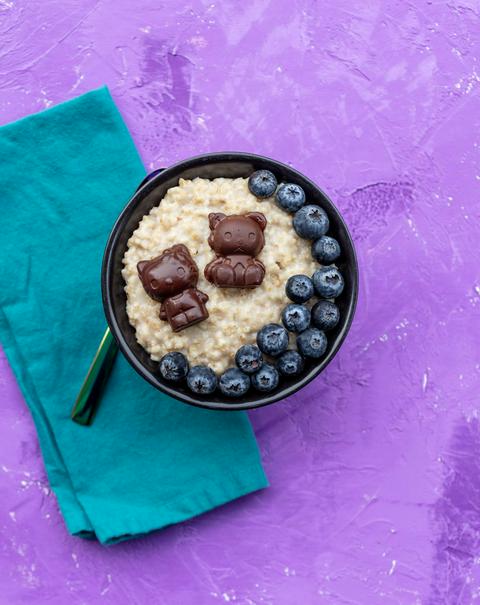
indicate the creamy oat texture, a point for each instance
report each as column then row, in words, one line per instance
column 235, row 314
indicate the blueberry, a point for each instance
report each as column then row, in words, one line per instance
column 290, row 197
column 262, row 183
column 296, row 318
column 328, row 282
column 325, row 315
column 299, row 288
column 326, row 249
column 290, row 363
column 202, row 380
column 272, row 339
column 312, row 343
column 173, row 366
column 249, row 359
column 311, row 222
column 234, row 383
column 266, row 379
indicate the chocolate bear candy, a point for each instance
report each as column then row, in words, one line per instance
column 236, row 240
column 171, row 279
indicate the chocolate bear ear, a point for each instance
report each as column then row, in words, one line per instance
column 259, row 218
column 214, row 218
column 141, row 266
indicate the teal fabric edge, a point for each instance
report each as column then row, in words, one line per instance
column 52, row 456
column 189, row 506
column 77, row 524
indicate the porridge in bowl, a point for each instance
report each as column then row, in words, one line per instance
column 235, row 315
column 236, row 305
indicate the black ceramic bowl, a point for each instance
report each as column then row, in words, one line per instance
column 149, row 194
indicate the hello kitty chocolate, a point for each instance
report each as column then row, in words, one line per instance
column 171, row 279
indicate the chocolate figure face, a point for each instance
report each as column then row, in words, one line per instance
column 237, row 233
column 168, row 274
column 236, row 240
column 171, row 279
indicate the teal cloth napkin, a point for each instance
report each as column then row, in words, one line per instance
column 147, row 461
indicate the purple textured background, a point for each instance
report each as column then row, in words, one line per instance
column 375, row 468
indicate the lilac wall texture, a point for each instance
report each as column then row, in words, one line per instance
column 375, row 467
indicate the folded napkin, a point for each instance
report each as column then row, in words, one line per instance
column 147, row 461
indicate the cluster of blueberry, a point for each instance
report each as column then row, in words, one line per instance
column 308, row 324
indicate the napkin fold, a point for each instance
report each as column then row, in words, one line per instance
column 147, row 461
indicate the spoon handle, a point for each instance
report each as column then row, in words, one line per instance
column 90, row 392
column 97, row 375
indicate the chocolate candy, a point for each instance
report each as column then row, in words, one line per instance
column 236, row 240
column 171, row 279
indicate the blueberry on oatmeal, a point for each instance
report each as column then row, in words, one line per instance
column 296, row 318
column 312, row 343
column 328, row 282
column 173, row 366
column 266, row 379
column 262, row 183
column 311, row 222
column 290, row 197
column 326, row 249
column 290, row 363
column 234, row 383
column 272, row 339
column 325, row 315
column 202, row 380
column 249, row 359
column 299, row 288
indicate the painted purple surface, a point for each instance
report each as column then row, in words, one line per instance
column 375, row 470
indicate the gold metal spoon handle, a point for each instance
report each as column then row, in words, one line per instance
column 91, row 390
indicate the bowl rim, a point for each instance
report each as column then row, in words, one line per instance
column 148, row 185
